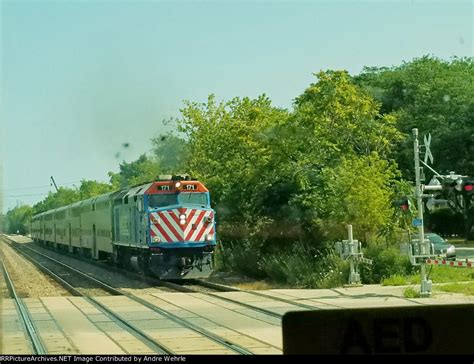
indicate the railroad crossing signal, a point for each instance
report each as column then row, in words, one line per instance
column 433, row 203
column 468, row 187
column 403, row 204
column 428, row 154
column 351, row 250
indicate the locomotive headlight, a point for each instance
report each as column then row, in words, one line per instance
column 156, row 239
column 182, row 217
column 209, row 237
column 178, row 184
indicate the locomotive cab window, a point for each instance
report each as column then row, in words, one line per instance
column 193, row 198
column 162, row 200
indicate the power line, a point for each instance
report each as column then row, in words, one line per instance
column 26, row 188
column 43, row 186
column 36, row 194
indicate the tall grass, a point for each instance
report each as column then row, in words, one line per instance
column 387, row 262
column 306, row 268
column 466, row 288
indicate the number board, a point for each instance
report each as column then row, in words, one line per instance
column 164, row 188
column 427, row 329
column 190, row 187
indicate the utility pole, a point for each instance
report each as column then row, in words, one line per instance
column 52, row 179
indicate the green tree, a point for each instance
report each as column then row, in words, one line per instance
column 341, row 145
column 228, row 148
column 435, row 96
column 361, row 195
column 170, row 152
column 142, row 170
column 90, row 188
column 18, row 220
column 280, row 178
column 64, row 196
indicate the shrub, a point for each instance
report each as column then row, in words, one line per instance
column 305, row 267
column 410, row 292
column 239, row 258
column 387, row 262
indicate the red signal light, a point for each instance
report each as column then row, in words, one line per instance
column 404, row 207
column 468, row 188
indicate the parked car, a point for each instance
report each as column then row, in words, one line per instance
column 441, row 246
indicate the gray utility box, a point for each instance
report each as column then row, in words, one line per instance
column 417, row 251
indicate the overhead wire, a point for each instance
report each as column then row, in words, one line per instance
column 33, row 187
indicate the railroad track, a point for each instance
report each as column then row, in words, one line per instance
column 75, row 281
column 210, row 288
column 25, row 316
column 161, row 349
column 223, row 288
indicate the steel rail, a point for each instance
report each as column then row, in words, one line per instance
column 230, row 345
column 161, row 349
column 216, row 286
column 234, row 347
column 99, row 283
column 38, row 346
column 222, row 288
column 49, row 272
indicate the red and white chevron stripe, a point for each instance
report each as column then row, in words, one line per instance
column 167, row 226
column 449, row 263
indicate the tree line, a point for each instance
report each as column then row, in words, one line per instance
column 285, row 182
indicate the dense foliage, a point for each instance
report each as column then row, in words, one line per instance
column 285, row 183
column 435, row 96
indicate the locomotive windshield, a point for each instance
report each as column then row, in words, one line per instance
column 162, row 200
column 193, row 198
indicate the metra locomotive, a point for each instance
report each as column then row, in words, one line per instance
column 166, row 227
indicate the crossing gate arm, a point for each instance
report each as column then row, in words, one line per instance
column 449, row 263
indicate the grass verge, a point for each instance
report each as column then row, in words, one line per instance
column 465, row 288
column 437, row 274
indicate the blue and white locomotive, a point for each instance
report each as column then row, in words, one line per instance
column 165, row 227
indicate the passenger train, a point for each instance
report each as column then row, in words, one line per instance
column 165, row 227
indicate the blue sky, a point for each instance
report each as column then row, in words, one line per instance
column 79, row 78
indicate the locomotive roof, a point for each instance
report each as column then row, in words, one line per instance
column 117, row 195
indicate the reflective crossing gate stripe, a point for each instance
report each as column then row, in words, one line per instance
column 449, row 263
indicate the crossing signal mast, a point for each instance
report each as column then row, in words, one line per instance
column 420, row 248
column 461, row 188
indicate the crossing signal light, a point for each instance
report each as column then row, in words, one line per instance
column 403, row 204
column 468, row 187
